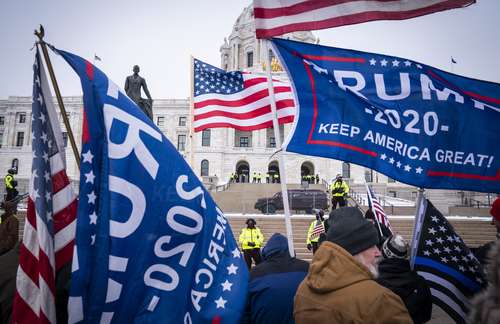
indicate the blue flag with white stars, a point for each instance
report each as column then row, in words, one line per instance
column 410, row 121
column 151, row 244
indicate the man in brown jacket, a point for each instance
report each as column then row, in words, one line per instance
column 340, row 285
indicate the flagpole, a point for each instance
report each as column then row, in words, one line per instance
column 371, row 208
column 281, row 160
column 191, row 113
column 40, row 34
column 418, row 225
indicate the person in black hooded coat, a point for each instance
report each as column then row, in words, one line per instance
column 395, row 274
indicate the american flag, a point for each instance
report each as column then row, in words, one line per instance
column 278, row 17
column 318, row 229
column 237, row 99
column 377, row 208
column 442, row 258
column 49, row 229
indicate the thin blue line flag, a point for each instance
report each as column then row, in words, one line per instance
column 451, row 270
column 412, row 122
column 151, row 244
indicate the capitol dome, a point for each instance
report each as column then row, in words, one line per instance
column 243, row 51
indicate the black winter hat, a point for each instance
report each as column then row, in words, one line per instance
column 350, row 230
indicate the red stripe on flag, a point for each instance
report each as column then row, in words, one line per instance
column 64, row 255
column 29, row 263
column 240, row 102
column 43, row 318
column 59, row 181
column 251, row 114
column 89, row 68
column 357, row 18
column 342, row 145
column 431, row 173
column 85, row 130
column 46, row 271
column 257, row 80
column 331, row 58
column 65, row 216
column 30, row 213
column 22, row 312
column 267, row 124
column 469, row 93
column 297, row 8
column 315, row 100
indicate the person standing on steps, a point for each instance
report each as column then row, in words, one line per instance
column 316, row 228
column 10, row 185
column 339, row 190
column 251, row 240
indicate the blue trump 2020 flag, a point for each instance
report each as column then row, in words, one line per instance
column 151, row 244
column 412, row 122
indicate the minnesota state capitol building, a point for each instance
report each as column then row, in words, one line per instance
column 214, row 154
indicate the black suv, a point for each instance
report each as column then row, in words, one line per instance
column 299, row 199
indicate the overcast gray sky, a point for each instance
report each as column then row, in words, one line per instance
column 160, row 35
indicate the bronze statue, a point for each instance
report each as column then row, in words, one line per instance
column 133, row 85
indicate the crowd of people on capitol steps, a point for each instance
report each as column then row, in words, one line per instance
column 357, row 274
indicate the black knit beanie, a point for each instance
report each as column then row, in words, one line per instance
column 350, row 230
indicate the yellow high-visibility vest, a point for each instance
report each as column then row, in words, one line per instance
column 339, row 185
column 251, row 235
column 9, row 181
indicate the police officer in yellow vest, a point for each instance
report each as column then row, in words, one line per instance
column 276, row 178
column 339, row 190
column 251, row 240
column 10, row 185
column 316, row 228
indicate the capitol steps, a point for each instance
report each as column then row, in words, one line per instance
column 473, row 232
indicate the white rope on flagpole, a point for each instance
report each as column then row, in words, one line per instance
column 281, row 160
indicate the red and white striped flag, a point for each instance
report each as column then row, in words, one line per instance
column 377, row 208
column 49, row 230
column 278, row 17
column 237, row 100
